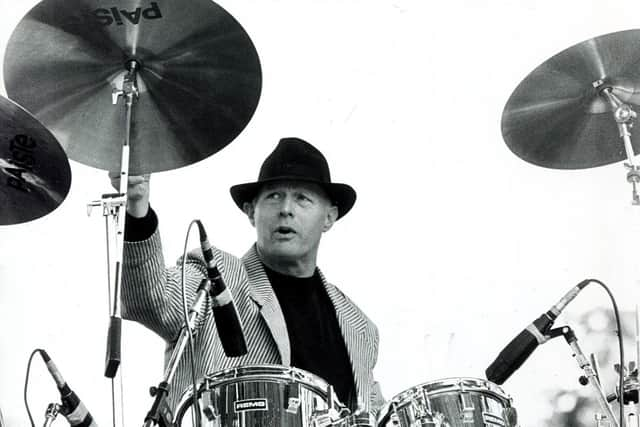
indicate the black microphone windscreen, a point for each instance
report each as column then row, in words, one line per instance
column 512, row 357
column 230, row 330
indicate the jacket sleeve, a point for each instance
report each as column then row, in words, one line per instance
column 376, row 399
column 152, row 293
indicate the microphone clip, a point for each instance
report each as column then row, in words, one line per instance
column 50, row 414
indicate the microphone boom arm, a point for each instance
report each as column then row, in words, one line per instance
column 160, row 415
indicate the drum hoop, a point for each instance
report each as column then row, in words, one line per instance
column 267, row 373
column 452, row 384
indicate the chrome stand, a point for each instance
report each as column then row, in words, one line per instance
column 160, row 414
column 607, row 418
column 624, row 117
column 114, row 210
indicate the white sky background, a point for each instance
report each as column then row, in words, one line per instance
column 451, row 233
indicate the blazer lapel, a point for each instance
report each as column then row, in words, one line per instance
column 353, row 328
column 262, row 294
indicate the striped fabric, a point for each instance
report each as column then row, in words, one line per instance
column 151, row 295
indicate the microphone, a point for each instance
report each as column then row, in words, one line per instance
column 521, row 347
column 224, row 310
column 72, row 407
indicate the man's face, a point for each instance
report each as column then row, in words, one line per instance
column 290, row 218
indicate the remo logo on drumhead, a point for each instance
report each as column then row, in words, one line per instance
column 251, row 405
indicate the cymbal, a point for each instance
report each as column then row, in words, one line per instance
column 557, row 117
column 34, row 171
column 199, row 78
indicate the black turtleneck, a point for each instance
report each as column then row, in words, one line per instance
column 316, row 341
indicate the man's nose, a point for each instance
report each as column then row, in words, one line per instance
column 286, row 206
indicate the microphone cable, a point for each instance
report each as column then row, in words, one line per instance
column 616, row 314
column 26, row 384
column 192, row 351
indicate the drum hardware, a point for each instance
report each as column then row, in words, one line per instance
column 466, row 407
column 293, row 398
column 394, row 418
column 421, row 405
column 602, row 420
column 332, row 415
column 208, row 408
column 590, row 375
column 160, row 414
column 114, row 207
column 624, row 117
column 50, row 414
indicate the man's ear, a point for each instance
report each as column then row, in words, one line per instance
column 249, row 209
column 331, row 218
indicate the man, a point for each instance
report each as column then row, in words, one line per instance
column 291, row 315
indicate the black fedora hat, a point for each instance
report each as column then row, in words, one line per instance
column 296, row 160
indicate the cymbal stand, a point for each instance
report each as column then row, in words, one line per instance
column 624, row 117
column 114, row 210
column 50, row 414
column 590, row 378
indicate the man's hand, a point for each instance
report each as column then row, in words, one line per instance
column 137, row 193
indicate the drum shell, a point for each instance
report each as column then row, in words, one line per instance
column 454, row 402
column 261, row 395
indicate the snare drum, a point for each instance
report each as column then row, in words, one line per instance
column 262, row 395
column 450, row 402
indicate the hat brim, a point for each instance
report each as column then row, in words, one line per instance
column 342, row 195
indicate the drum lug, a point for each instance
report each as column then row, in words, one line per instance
column 208, row 406
column 394, row 419
column 293, row 405
column 511, row 416
column 467, row 408
column 293, row 398
column 321, row 419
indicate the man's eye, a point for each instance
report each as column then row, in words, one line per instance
column 304, row 198
column 273, row 195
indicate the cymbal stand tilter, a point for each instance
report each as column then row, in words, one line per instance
column 624, row 117
column 114, row 207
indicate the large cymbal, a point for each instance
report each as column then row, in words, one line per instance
column 199, row 81
column 34, row 171
column 556, row 117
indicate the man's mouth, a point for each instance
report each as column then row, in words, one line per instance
column 285, row 230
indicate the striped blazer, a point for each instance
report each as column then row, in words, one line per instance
column 151, row 295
